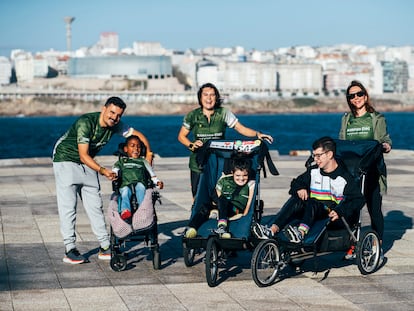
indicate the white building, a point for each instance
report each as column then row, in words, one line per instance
column 300, row 78
column 109, row 42
column 23, row 64
column 148, row 48
column 5, row 70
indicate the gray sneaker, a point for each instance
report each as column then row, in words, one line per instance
column 222, row 232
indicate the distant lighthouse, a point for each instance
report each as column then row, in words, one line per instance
column 68, row 21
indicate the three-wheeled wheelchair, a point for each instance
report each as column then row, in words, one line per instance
column 275, row 254
column 215, row 159
column 141, row 227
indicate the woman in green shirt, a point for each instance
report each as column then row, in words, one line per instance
column 365, row 123
column 207, row 122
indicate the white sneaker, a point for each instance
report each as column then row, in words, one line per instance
column 262, row 232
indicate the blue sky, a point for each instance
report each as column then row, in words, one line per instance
column 37, row 25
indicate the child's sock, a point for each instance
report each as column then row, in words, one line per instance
column 303, row 228
column 222, row 223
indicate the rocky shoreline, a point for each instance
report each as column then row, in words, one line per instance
column 41, row 106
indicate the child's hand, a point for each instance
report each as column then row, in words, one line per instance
column 160, row 184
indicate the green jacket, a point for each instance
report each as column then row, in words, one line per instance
column 379, row 126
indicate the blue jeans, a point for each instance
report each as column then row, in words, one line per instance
column 126, row 193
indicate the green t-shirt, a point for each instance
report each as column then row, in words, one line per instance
column 86, row 130
column 196, row 122
column 360, row 128
column 228, row 187
column 134, row 170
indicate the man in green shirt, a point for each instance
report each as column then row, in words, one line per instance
column 76, row 172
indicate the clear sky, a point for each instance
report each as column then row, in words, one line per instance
column 37, row 25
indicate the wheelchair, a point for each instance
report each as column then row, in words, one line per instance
column 272, row 256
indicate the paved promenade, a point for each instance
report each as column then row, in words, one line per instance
column 33, row 276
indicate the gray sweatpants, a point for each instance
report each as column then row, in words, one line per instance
column 73, row 179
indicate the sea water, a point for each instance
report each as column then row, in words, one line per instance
column 24, row 137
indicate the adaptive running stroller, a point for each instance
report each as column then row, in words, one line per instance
column 215, row 160
column 273, row 255
column 143, row 224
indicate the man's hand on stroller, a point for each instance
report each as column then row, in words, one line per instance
column 302, row 194
column 333, row 215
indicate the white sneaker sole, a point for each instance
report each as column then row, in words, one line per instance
column 72, row 262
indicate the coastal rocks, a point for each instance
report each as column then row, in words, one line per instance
column 45, row 106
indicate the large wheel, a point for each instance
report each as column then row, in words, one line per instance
column 118, row 262
column 265, row 263
column 212, row 262
column 188, row 254
column 368, row 251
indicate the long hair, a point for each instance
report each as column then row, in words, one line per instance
column 216, row 92
column 368, row 105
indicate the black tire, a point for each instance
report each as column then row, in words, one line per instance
column 211, row 262
column 118, row 263
column 189, row 255
column 265, row 263
column 156, row 258
column 368, row 251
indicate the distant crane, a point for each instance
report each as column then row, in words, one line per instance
column 68, row 21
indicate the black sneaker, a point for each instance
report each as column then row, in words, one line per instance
column 262, row 232
column 293, row 234
column 74, row 257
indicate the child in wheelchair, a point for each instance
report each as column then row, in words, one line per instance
column 134, row 174
column 325, row 190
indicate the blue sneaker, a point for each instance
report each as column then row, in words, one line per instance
column 73, row 257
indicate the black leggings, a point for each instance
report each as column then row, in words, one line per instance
column 195, row 179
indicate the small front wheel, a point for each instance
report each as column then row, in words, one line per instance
column 211, row 261
column 368, row 251
column 265, row 263
column 118, row 262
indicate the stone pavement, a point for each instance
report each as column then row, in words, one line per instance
column 33, row 276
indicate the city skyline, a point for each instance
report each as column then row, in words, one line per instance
column 37, row 26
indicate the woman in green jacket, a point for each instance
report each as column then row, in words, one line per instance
column 365, row 123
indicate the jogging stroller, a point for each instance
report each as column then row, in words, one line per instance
column 273, row 255
column 141, row 227
column 215, row 159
